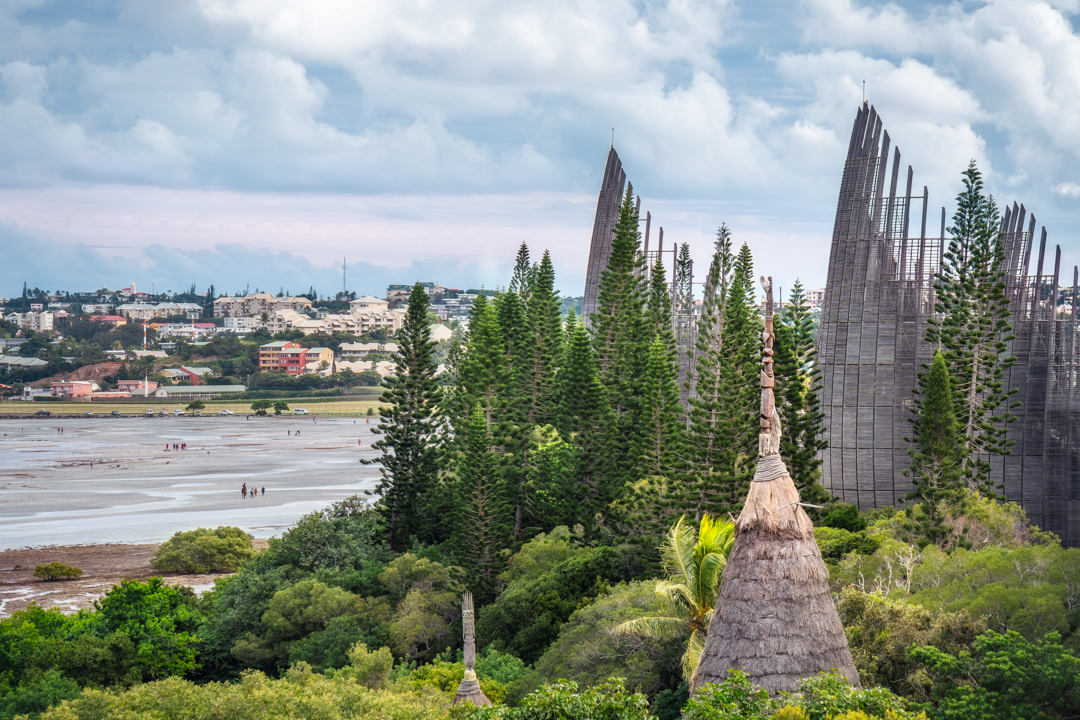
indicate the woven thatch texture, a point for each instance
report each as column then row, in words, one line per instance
column 775, row 619
column 469, row 690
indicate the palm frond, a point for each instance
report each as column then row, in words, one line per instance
column 655, row 627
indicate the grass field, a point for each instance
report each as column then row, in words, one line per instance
column 317, row 406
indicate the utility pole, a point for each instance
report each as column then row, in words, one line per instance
column 344, row 286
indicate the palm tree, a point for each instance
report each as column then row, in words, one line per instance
column 694, row 563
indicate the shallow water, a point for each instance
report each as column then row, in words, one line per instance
column 138, row 492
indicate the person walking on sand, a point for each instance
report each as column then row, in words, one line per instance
column 243, row 490
column 264, row 491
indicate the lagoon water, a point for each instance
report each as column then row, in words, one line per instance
column 137, row 492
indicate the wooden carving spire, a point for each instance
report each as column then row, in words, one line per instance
column 469, row 688
column 769, row 436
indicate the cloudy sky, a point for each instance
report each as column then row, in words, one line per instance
column 254, row 143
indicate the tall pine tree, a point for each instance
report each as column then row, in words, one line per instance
column 545, row 323
column 585, row 421
column 409, row 446
column 621, row 339
column 974, row 329
column 707, row 448
column 521, row 280
column 798, row 386
column 938, row 456
column 480, row 531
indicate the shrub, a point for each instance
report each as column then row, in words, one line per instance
column 223, row 549
column 563, row 700
column 881, row 631
column 160, row 620
column 587, row 651
column 56, row 571
column 1004, row 677
column 526, row 618
column 542, row 553
column 34, row 697
column 845, row 517
column 370, row 669
column 301, row 694
column 835, row 543
column 823, row 697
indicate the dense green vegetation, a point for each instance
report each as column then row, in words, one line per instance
column 552, row 471
column 221, row 550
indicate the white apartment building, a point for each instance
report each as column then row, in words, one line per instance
column 36, row 321
column 357, row 322
column 243, row 324
column 187, row 331
column 368, row 303
column 255, row 304
column 148, row 311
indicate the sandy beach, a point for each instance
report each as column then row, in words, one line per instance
column 138, row 492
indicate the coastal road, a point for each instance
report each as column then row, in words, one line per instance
column 139, row 492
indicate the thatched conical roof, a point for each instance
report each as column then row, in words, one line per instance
column 775, row 619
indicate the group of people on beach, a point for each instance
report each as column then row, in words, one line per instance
column 245, row 492
column 175, row 446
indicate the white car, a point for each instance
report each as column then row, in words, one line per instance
column 226, row 412
column 177, row 412
column 149, row 413
column 300, row 411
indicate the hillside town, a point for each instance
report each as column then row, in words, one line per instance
column 129, row 344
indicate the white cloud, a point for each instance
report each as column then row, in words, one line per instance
column 1069, row 189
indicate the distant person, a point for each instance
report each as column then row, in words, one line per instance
column 264, row 491
column 290, row 432
column 243, row 490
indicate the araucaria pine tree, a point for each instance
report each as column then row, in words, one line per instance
column 621, row 338
column 974, row 330
column 706, row 445
column 722, row 437
column 521, row 280
column 480, row 531
column 408, row 460
column 585, row 420
column 683, row 306
column 545, row 324
column 798, row 385
column 937, row 456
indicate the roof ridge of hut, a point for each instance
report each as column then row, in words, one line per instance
column 775, row 618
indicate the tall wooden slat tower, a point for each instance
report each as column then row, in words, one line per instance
column 872, row 343
column 607, row 213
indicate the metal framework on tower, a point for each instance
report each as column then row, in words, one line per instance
column 879, row 294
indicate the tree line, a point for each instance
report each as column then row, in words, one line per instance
column 538, row 422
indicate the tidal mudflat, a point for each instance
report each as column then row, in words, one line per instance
column 139, row 492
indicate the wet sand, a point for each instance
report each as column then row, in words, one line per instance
column 103, row 566
column 139, row 493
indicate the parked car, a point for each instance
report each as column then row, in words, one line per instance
column 149, row 413
column 198, row 413
column 164, row 413
column 300, row 411
column 226, row 412
column 177, row 412
column 115, row 413
column 43, row 413
column 89, row 413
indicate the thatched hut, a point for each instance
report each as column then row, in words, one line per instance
column 775, row 619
